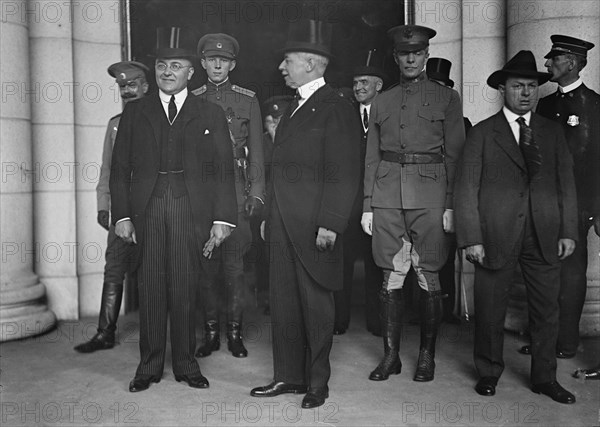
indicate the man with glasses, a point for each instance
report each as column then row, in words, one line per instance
column 131, row 78
column 171, row 195
column 218, row 53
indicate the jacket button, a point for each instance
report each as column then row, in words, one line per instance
column 403, row 107
column 521, row 215
column 403, row 146
column 402, row 126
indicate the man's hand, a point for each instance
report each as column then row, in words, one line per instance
column 218, row 233
column 366, row 222
column 252, row 206
column 325, row 239
column 126, row 231
column 103, row 218
column 475, row 253
column 448, row 221
column 565, row 248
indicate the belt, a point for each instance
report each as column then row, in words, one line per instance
column 167, row 172
column 390, row 156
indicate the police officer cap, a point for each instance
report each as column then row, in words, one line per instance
column 562, row 45
column 126, row 71
column 410, row 38
column 218, row 44
column 276, row 105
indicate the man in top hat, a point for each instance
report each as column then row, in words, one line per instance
column 171, row 194
column 416, row 135
column 515, row 203
column 314, row 181
column 131, row 78
column 218, row 53
column 367, row 83
column 577, row 109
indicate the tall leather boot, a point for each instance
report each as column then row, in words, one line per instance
column 236, row 303
column 212, row 339
column 431, row 311
column 104, row 339
column 391, row 323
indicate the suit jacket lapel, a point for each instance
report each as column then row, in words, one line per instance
column 302, row 115
column 504, row 137
column 152, row 110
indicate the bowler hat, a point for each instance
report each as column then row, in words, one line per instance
column 410, row 38
column 562, row 45
column 125, row 71
column 175, row 42
column 218, row 44
column 439, row 69
column 311, row 36
column 522, row 65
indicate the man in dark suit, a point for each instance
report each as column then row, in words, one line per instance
column 515, row 202
column 131, row 78
column 314, row 181
column 367, row 83
column 577, row 109
column 170, row 179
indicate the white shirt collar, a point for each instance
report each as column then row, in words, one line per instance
column 572, row 86
column 512, row 117
column 179, row 100
column 308, row 89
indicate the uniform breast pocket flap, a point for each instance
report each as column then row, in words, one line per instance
column 432, row 115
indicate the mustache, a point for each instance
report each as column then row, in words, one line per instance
column 128, row 96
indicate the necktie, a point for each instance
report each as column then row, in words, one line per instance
column 172, row 109
column 365, row 119
column 294, row 104
column 529, row 148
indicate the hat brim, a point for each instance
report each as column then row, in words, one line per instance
column 308, row 48
column 410, row 47
column 170, row 53
column 499, row 77
column 216, row 53
column 441, row 78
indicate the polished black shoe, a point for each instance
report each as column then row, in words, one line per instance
column 235, row 343
column 212, row 340
column 554, row 391
column 278, row 387
column 526, row 350
column 315, row 397
column 339, row 331
column 486, row 386
column 142, row 382
column 194, row 381
column 425, row 366
column 98, row 342
column 563, row 354
column 390, row 365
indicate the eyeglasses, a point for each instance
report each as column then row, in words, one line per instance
column 175, row 66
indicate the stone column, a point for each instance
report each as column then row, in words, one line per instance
column 51, row 53
column 530, row 25
column 23, row 310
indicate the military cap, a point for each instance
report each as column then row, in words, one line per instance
column 522, row 65
column 562, row 45
column 439, row 69
column 175, row 42
column 276, row 105
column 218, row 44
column 126, row 71
column 309, row 35
column 410, row 38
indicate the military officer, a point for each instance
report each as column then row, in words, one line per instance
column 218, row 53
column 577, row 109
column 131, row 78
column 416, row 135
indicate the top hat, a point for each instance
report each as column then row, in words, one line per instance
column 523, row 65
column 562, row 45
column 276, row 105
column 309, row 36
column 218, row 44
column 175, row 42
column 439, row 69
column 126, row 71
column 373, row 66
column 410, row 38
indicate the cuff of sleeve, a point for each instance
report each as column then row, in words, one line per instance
column 225, row 223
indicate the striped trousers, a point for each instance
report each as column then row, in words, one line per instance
column 167, row 279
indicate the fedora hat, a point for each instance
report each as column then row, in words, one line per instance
column 439, row 69
column 310, row 36
column 175, row 42
column 522, row 65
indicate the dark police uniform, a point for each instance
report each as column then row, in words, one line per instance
column 242, row 111
column 578, row 112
